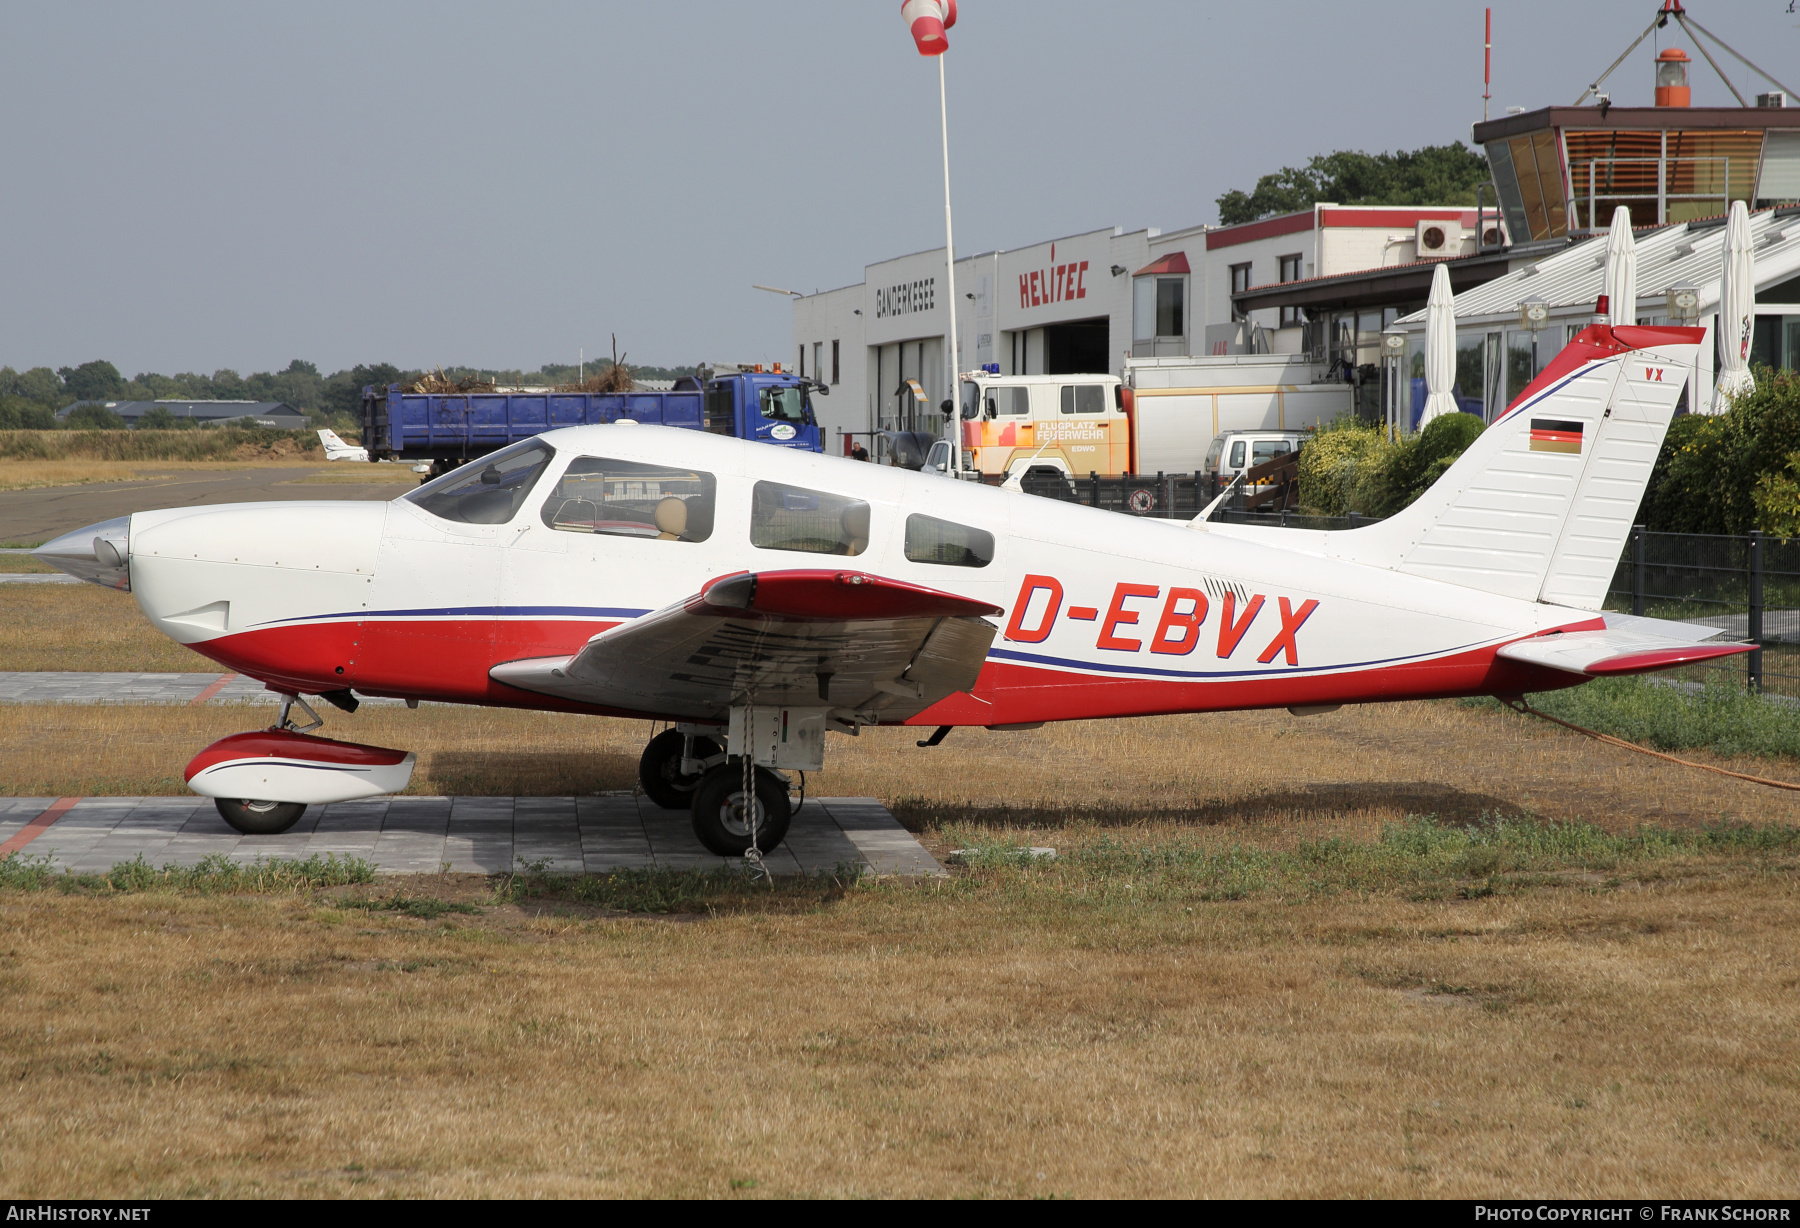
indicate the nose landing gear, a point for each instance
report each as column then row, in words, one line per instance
column 255, row 818
column 262, row 782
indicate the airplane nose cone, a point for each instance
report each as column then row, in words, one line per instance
column 99, row 553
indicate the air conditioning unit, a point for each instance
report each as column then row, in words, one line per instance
column 1439, row 239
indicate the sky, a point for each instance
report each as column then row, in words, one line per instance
column 190, row 186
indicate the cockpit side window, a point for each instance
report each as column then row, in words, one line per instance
column 793, row 518
column 489, row 490
column 628, row 499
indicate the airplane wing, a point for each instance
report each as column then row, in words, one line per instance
column 877, row 648
column 1628, row 645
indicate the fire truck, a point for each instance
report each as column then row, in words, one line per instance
column 1010, row 424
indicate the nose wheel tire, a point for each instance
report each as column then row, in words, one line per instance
column 659, row 769
column 255, row 818
column 720, row 820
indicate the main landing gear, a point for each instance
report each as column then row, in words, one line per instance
column 735, row 814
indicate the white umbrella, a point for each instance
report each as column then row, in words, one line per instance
column 1621, row 270
column 1440, row 348
column 1737, row 305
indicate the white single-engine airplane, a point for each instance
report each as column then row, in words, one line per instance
column 336, row 449
column 758, row 598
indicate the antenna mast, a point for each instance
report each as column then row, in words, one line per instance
column 1487, row 63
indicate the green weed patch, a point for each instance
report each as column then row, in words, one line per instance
column 425, row 908
column 1721, row 716
column 679, row 891
column 214, row 874
column 1418, row 857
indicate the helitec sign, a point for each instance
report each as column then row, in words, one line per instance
column 1057, row 284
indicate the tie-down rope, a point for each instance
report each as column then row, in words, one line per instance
column 1519, row 705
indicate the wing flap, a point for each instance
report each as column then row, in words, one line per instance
column 820, row 638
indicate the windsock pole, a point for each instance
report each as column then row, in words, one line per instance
column 952, row 390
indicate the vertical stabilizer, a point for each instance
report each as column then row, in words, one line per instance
column 1540, row 506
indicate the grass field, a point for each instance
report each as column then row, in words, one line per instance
column 32, row 474
column 1099, row 1027
column 1422, row 949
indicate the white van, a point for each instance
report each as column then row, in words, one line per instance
column 1234, row 452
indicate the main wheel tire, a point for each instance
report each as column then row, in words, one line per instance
column 255, row 818
column 659, row 769
column 719, row 818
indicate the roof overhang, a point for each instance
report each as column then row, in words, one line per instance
column 1636, row 118
column 1174, row 262
column 1383, row 287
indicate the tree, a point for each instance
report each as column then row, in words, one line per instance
column 93, row 381
column 1432, row 175
column 18, row 414
column 39, row 385
column 93, row 418
column 343, row 391
column 157, row 418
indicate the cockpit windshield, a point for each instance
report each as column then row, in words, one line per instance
column 489, row 490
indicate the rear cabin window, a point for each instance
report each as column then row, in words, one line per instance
column 930, row 540
column 813, row 521
column 1083, row 399
column 489, row 490
column 1009, row 402
column 627, row 499
column 1268, row 449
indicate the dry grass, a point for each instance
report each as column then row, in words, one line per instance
column 358, row 473
column 84, row 627
column 23, row 564
column 77, row 471
column 911, row 1040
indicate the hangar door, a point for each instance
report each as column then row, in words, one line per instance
column 1076, row 348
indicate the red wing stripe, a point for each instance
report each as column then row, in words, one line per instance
column 831, row 596
column 1662, row 658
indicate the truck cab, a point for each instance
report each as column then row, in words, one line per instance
column 1235, row 452
column 768, row 407
column 1074, row 424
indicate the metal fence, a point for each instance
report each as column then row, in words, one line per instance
column 1168, row 495
column 1748, row 586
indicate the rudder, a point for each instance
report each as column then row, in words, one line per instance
column 1540, row 505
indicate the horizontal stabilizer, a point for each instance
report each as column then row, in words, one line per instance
column 1628, row 649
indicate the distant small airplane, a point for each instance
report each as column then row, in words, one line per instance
column 756, row 598
column 336, row 449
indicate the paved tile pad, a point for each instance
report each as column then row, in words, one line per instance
column 483, row 835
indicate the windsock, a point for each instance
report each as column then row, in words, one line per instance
column 928, row 19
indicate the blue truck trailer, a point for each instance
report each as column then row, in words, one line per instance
column 448, row 429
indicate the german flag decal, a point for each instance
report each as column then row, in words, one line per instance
column 1555, row 435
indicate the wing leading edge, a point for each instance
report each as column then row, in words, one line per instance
column 877, row 648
